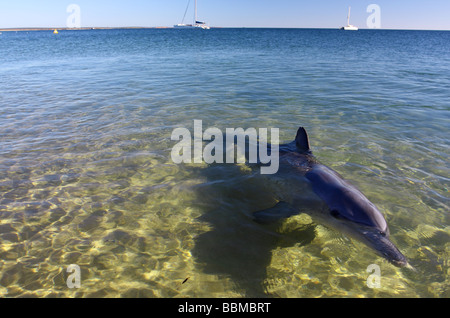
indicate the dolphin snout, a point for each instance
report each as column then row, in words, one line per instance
column 398, row 260
column 390, row 252
column 383, row 245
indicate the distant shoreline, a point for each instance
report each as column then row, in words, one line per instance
column 77, row 29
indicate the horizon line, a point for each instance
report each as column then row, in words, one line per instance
column 18, row 29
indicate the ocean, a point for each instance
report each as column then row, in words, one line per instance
column 86, row 175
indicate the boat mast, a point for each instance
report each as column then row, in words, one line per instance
column 195, row 15
column 348, row 17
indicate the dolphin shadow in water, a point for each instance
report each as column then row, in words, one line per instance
column 237, row 247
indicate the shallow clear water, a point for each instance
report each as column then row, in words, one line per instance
column 86, row 175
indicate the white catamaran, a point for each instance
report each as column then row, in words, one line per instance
column 195, row 24
column 349, row 27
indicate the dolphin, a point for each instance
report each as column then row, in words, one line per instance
column 306, row 185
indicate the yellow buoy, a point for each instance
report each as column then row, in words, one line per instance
column 55, row 31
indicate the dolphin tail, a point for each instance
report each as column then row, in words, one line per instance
column 302, row 141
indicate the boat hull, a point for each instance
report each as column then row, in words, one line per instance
column 350, row 28
column 191, row 26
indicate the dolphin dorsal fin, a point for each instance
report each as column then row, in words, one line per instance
column 301, row 140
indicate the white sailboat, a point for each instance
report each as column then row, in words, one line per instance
column 195, row 24
column 349, row 27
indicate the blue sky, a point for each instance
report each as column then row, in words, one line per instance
column 395, row 14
